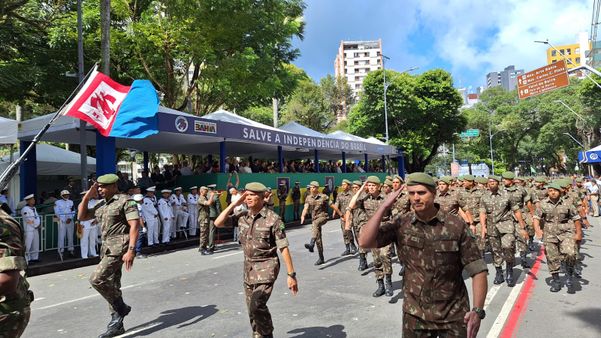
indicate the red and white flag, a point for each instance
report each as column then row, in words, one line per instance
column 98, row 102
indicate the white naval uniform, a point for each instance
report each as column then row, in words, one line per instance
column 64, row 211
column 179, row 210
column 89, row 236
column 167, row 218
column 31, row 222
column 193, row 211
column 151, row 216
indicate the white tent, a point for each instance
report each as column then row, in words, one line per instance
column 8, row 131
column 53, row 160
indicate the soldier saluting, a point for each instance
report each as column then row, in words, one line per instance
column 119, row 221
column 261, row 235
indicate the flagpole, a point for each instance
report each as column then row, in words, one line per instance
column 9, row 172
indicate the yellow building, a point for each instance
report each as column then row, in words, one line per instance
column 570, row 52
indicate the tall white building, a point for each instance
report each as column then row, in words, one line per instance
column 357, row 58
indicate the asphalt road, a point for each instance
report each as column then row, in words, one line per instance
column 184, row 294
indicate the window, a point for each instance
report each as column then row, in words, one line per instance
column 569, row 51
column 356, row 55
column 358, row 86
column 357, row 78
column 553, row 61
column 356, row 63
column 553, row 52
column 578, row 60
column 378, row 53
column 366, row 54
column 577, row 51
column 562, row 52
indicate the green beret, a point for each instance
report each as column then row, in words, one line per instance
column 481, row 179
column 554, row 185
column 494, row 177
column 540, row 179
column 388, row 177
column 469, row 178
column 579, row 180
column 346, row 181
column 421, row 179
column 373, row 179
column 388, row 182
column 314, row 183
column 108, row 179
column 397, row 177
column 445, row 179
column 519, row 178
column 508, row 175
column 255, row 187
column 459, row 178
column 565, row 182
column 357, row 182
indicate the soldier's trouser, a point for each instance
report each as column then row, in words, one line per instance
column 88, row 242
column 382, row 262
column 106, row 279
column 257, row 296
column 480, row 242
column 32, row 244
column 316, row 231
column 296, row 209
column 14, row 322
column 167, row 225
column 414, row 327
column 207, row 234
column 282, row 211
column 521, row 243
column 152, row 225
column 65, row 229
column 503, row 247
column 211, row 233
column 357, row 230
column 560, row 248
column 192, row 222
column 347, row 236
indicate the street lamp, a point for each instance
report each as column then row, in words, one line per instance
column 575, row 140
column 546, row 42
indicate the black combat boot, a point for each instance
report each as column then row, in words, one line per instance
column 362, row 262
column 320, row 261
column 347, row 251
column 380, row 290
column 509, row 275
column 570, row 279
column 499, row 276
column 310, row 245
column 531, row 245
column 388, row 285
column 555, row 283
column 115, row 326
column 353, row 248
column 524, row 260
column 401, row 270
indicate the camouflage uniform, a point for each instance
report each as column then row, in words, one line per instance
column 500, row 231
column 296, row 197
column 342, row 201
column 435, row 254
column 261, row 236
column 214, row 211
column 14, row 309
column 519, row 197
column 470, row 199
column 112, row 216
column 557, row 219
column 382, row 262
column 318, row 205
column 449, row 201
column 203, row 221
column 358, row 218
column 282, row 196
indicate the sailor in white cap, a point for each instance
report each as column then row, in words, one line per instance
column 151, row 216
column 167, row 216
column 89, row 236
column 63, row 209
column 31, row 222
column 180, row 210
column 193, row 210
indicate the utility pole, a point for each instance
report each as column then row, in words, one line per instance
column 83, row 147
column 105, row 40
column 276, row 108
column 385, row 90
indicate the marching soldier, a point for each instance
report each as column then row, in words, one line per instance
column 496, row 210
column 180, row 208
column 193, row 210
column 16, row 296
column 151, row 216
column 448, row 199
column 262, row 234
column 296, row 200
column 519, row 197
column 166, row 214
column 562, row 232
column 120, row 222
column 316, row 203
column 282, row 196
column 63, row 209
column 342, row 200
column 205, row 200
column 31, row 222
column 214, row 211
column 354, row 219
column 470, row 198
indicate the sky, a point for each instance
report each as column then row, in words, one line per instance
column 468, row 38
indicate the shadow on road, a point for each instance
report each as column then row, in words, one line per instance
column 591, row 316
column 175, row 317
column 335, row 261
column 334, row 331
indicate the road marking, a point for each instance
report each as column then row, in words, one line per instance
column 491, row 294
column 227, row 255
column 131, row 333
column 82, row 298
column 504, row 313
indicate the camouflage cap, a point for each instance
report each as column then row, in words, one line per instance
column 494, row 177
column 314, row 184
column 554, row 185
column 540, row 179
column 388, row 182
column 419, row 178
column 346, row 181
column 373, row 179
column 469, row 178
column 445, row 179
column 255, row 187
column 481, row 179
column 508, row 175
column 357, row 182
column 107, row 179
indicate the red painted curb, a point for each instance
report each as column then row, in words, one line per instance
column 521, row 303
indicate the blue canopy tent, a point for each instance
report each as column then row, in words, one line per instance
column 590, row 156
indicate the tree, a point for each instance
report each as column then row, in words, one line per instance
column 423, row 113
column 308, row 107
column 262, row 114
column 337, row 93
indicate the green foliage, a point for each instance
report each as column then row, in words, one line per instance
column 308, row 106
column 423, row 112
column 262, row 114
